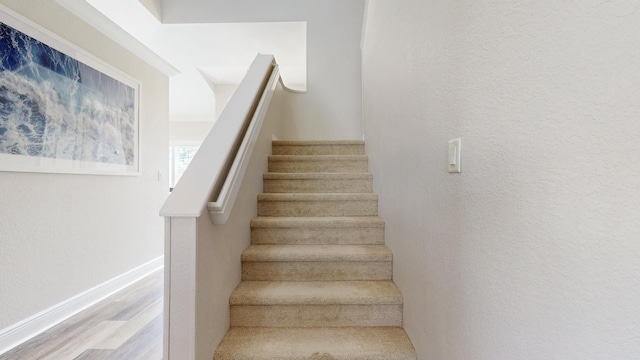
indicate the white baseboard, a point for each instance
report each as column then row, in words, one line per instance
column 24, row 330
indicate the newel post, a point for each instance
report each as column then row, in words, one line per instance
column 180, row 288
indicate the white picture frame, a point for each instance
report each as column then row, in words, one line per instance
column 63, row 110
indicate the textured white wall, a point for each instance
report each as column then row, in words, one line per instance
column 63, row 234
column 189, row 133
column 154, row 7
column 331, row 108
column 533, row 251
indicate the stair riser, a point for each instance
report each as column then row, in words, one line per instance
column 318, row 150
column 318, row 208
column 316, row 315
column 318, row 186
column 316, row 271
column 378, row 343
column 317, row 236
column 319, row 166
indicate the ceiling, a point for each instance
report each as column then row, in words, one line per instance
column 210, row 57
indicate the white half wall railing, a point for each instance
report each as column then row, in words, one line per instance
column 210, row 175
column 210, row 183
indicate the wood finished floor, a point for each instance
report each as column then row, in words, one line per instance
column 125, row 326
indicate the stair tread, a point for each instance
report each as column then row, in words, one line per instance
column 317, row 157
column 314, row 176
column 318, row 163
column 309, row 253
column 335, row 221
column 316, row 142
column 349, row 343
column 316, row 293
column 317, row 196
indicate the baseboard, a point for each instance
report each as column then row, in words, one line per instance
column 20, row 332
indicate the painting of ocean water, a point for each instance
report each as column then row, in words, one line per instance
column 53, row 106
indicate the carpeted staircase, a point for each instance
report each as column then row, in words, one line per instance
column 317, row 279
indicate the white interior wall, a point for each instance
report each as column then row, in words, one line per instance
column 223, row 93
column 185, row 132
column 154, row 7
column 533, row 251
column 188, row 133
column 331, row 107
column 63, row 234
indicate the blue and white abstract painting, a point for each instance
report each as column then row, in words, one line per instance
column 55, row 107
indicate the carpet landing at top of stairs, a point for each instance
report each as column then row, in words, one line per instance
column 317, row 279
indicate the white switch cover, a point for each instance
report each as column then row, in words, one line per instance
column 455, row 148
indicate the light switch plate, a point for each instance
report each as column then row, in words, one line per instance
column 453, row 160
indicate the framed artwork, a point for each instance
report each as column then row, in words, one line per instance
column 61, row 109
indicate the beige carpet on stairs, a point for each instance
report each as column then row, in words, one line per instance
column 317, row 279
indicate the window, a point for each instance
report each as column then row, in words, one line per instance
column 179, row 159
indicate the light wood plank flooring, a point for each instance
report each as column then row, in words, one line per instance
column 125, row 326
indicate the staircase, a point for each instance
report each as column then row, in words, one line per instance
column 317, row 279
